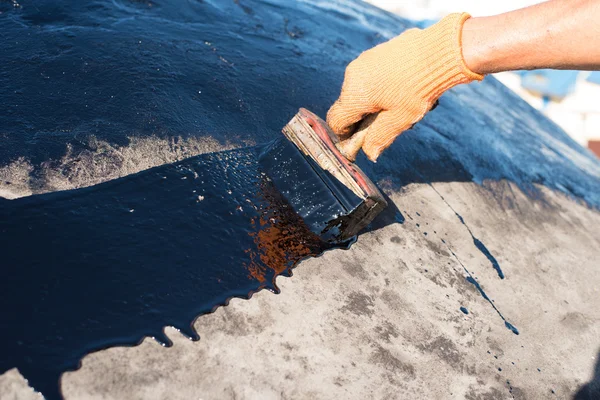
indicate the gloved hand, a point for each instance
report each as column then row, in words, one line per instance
column 391, row 86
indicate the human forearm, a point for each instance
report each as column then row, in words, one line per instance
column 390, row 87
column 558, row 34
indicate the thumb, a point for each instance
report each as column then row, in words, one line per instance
column 344, row 114
column 382, row 130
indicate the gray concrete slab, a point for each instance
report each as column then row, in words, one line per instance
column 383, row 320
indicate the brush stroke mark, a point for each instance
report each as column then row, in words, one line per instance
column 480, row 246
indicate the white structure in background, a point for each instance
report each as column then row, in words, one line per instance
column 578, row 113
column 435, row 9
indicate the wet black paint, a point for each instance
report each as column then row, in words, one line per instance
column 489, row 256
column 110, row 264
column 74, row 73
column 511, row 327
column 318, row 197
column 464, row 310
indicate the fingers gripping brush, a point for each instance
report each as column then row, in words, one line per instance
column 331, row 193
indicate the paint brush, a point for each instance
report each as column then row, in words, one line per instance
column 316, row 173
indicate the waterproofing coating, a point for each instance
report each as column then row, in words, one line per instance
column 80, row 79
column 315, row 195
column 112, row 263
column 85, row 82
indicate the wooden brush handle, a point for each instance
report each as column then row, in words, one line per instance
column 350, row 147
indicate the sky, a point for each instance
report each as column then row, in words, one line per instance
column 432, row 9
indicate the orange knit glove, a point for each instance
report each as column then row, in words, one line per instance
column 391, row 86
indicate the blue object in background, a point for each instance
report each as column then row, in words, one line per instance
column 425, row 23
column 594, row 77
column 549, row 83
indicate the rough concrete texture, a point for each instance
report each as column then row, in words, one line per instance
column 14, row 387
column 382, row 320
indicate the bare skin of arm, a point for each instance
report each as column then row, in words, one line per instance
column 557, row 34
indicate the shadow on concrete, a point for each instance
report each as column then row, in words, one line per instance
column 391, row 215
column 591, row 390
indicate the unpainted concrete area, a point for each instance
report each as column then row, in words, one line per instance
column 383, row 320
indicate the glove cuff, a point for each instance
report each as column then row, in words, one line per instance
column 441, row 47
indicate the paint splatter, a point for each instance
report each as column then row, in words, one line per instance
column 476, row 241
column 489, row 256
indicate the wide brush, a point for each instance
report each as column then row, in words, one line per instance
column 331, row 193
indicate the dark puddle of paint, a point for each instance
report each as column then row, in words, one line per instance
column 110, row 264
column 464, row 310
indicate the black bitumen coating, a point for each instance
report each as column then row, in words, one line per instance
column 107, row 265
column 110, row 264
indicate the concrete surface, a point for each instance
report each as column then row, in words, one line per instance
column 382, row 320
